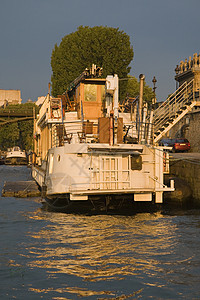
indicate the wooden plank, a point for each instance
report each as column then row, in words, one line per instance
column 21, row 189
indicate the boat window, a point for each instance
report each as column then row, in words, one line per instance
column 16, row 149
column 136, row 162
column 51, row 163
column 90, row 92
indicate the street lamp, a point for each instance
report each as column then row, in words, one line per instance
column 154, row 91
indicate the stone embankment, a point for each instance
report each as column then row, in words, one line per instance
column 186, row 166
column 21, row 189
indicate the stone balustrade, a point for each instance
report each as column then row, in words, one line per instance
column 188, row 64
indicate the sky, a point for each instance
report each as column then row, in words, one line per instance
column 162, row 33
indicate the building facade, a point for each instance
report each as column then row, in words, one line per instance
column 10, row 97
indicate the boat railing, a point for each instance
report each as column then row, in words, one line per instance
column 61, row 136
column 100, row 185
column 74, row 131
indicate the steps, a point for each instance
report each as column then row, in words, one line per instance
column 173, row 110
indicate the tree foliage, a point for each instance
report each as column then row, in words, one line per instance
column 105, row 47
column 133, row 89
column 18, row 133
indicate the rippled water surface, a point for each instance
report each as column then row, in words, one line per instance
column 46, row 255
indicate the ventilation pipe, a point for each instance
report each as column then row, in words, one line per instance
column 141, row 77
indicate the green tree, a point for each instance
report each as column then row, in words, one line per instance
column 19, row 133
column 26, row 134
column 133, row 89
column 9, row 135
column 105, row 47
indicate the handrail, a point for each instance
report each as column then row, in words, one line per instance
column 174, row 104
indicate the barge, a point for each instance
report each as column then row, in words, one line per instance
column 91, row 149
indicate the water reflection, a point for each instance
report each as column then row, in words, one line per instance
column 66, row 256
column 107, row 257
column 104, row 248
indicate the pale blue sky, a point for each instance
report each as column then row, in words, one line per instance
column 162, row 32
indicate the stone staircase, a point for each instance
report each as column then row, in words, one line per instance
column 173, row 110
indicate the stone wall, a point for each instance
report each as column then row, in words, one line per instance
column 190, row 172
column 189, row 128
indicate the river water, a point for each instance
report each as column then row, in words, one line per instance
column 48, row 255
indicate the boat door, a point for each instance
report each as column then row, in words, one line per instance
column 110, row 172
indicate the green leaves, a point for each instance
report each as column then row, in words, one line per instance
column 105, row 47
column 18, row 133
column 133, row 88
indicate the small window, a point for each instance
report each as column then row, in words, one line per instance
column 136, row 162
column 58, row 157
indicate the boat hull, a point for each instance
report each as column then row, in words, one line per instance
column 94, row 174
column 102, row 204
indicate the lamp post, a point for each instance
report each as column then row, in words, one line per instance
column 177, row 71
column 154, row 91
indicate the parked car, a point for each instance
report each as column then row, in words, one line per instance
column 166, row 142
column 182, row 145
column 178, row 145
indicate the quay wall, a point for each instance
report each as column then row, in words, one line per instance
column 188, row 170
column 189, row 128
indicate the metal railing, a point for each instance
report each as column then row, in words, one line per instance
column 173, row 106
